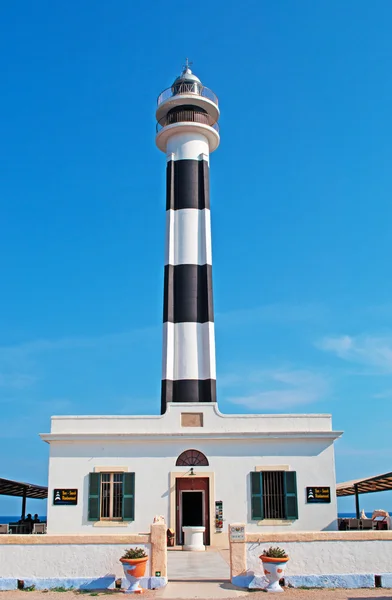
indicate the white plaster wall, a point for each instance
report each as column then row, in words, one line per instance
column 230, row 460
column 59, row 560
column 328, row 558
column 188, row 145
column 214, row 421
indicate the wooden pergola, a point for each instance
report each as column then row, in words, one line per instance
column 22, row 490
column 378, row 483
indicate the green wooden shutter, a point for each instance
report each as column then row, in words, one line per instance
column 128, row 496
column 94, row 489
column 256, row 493
column 290, row 494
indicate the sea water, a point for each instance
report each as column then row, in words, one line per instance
column 43, row 518
column 16, row 519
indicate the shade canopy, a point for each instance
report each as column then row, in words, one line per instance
column 19, row 488
column 378, row 483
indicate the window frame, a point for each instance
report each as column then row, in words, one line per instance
column 95, row 494
column 111, row 482
column 289, row 496
column 270, row 498
column 192, row 458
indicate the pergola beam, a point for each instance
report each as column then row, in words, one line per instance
column 370, row 485
column 22, row 490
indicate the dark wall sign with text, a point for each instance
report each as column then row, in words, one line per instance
column 318, row 495
column 65, row 497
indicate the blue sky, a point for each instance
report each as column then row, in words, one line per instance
column 301, row 214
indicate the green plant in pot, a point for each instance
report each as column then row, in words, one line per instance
column 134, row 563
column 133, row 553
column 274, row 561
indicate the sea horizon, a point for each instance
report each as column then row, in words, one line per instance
column 341, row 515
column 14, row 519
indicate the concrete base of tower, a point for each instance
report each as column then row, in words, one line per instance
column 187, row 390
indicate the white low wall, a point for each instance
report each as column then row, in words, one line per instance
column 80, row 562
column 316, row 559
column 51, row 561
column 332, row 557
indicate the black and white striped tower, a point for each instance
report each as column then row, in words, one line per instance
column 187, row 131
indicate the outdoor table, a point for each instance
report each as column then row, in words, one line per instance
column 20, row 528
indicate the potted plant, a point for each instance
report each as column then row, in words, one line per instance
column 274, row 564
column 134, row 563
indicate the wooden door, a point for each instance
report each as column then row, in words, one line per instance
column 196, row 484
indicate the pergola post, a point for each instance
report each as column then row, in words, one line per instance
column 357, row 501
column 24, row 504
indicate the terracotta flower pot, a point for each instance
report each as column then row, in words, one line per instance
column 134, row 569
column 274, row 569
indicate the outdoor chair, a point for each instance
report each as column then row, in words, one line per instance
column 367, row 523
column 39, row 528
column 4, row 528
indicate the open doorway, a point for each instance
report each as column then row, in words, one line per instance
column 192, row 504
column 192, row 508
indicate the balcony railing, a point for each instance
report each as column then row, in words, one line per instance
column 187, row 116
column 187, row 88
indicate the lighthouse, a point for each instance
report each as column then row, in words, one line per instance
column 192, row 464
column 187, row 132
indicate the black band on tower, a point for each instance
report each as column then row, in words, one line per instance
column 187, row 184
column 187, row 390
column 188, row 294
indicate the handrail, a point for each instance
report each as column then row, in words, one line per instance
column 187, row 116
column 187, row 88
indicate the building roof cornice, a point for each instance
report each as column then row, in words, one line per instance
column 205, row 435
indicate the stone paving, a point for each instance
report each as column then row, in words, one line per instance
column 191, row 566
column 200, row 589
column 210, row 591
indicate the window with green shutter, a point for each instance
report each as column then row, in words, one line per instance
column 94, row 489
column 129, row 496
column 290, row 494
column 111, row 496
column 256, row 491
column 274, row 495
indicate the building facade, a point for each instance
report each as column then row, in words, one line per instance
column 253, row 469
column 192, row 465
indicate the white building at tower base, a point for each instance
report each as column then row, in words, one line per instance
column 233, row 454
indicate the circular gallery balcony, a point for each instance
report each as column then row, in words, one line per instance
column 187, row 88
column 187, row 119
column 187, row 115
column 185, row 94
